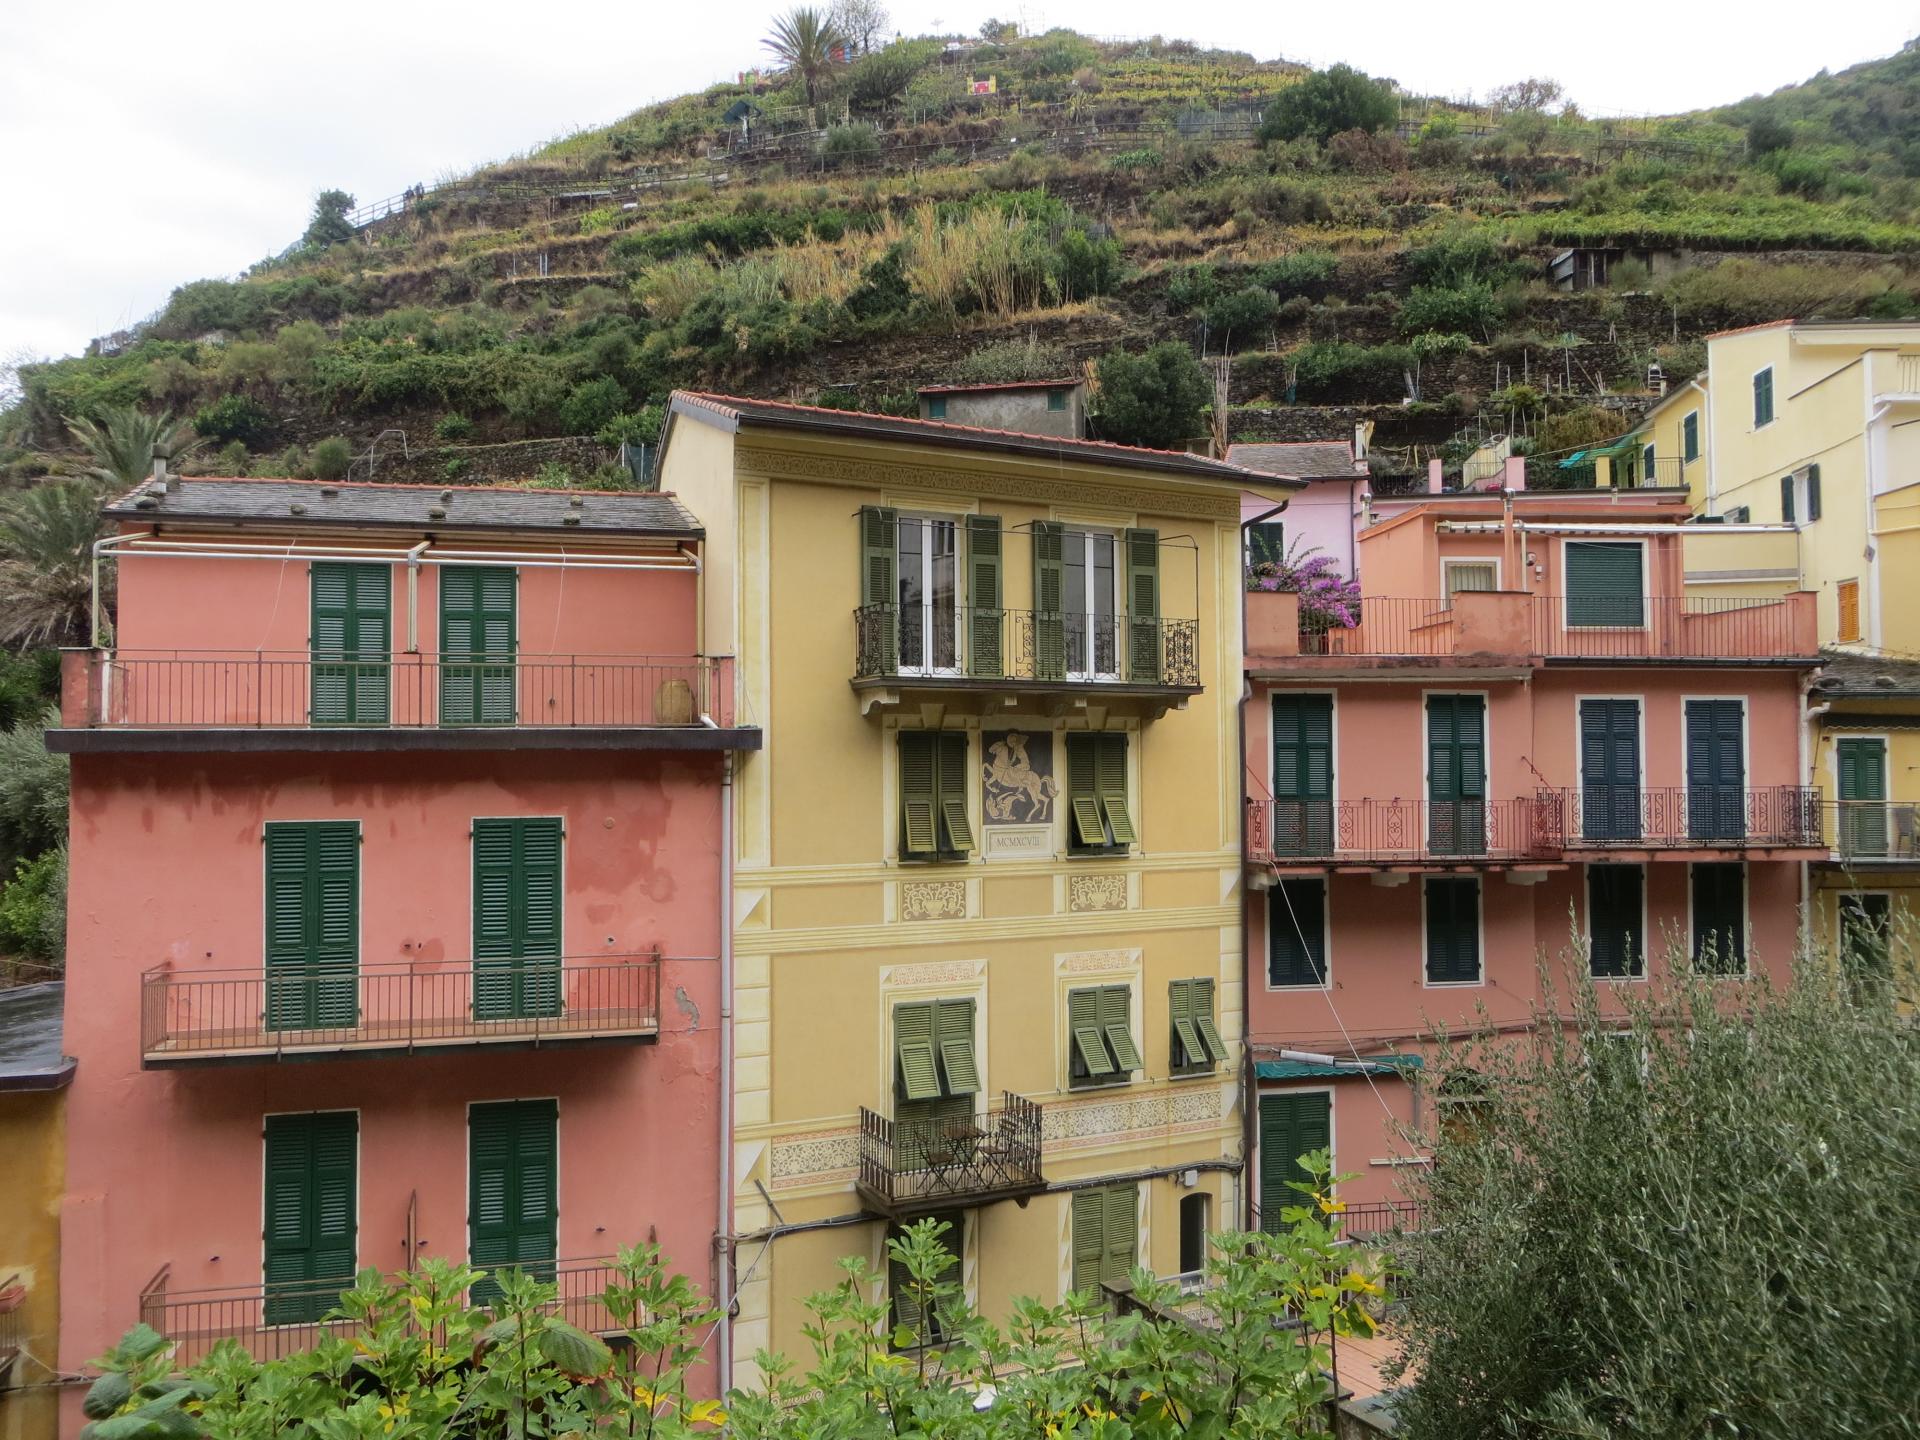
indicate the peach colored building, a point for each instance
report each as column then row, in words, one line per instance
column 397, row 901
column 1530, row 734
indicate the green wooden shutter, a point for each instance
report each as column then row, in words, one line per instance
column 513, row 1211
column 1083, row 790
column 1188, row 1050
column 1763, row 397
column 311, row 1225
column 1143, row 605
column 1291, row 1125
column 1083, row 1029
column 1120, row 1240
column 1303, row 774
column 919, row 794
column 1716, row 770
column 1297, row 932
column 951, row 791
column 1202, row 993
column 1089, row 1238
column 1863, row 791
column 1690, row 438
column 478, row 625
column 1719, row 918
column 1866, row 949
column 918, row 1075
column 1110, row 782
column 349, row 636
column 1786, row 499
column 1049, row 601
column 1813, row 492
column 312, row 924
column 1116, row 1024
column 1616, row 940
column 879, row 589
column 1610, row 769
column 1456, row 774
column 953, row 1039
column 516, row 918
column 1605, row 583
column 985, row 656
column 1453, row 931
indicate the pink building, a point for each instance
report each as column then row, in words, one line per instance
column 397, row 900
column 1529, row 726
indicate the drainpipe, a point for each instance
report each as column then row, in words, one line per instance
column 413, row 596
column 1875, row 414
column 723, row 1234
column 1810, row 720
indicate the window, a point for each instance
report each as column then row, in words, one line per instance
column 350, row 633
column 1056, row 400
column 910, row 620
column 1097, row 795
column 1100, row 1036
column 1649, row 475
column 479, row 631
column 1091, row 605
column 936, row 1076
column 1847, row 593
column 1297, row 933
column 1763, row 397
column 1738, row 515
column 1453, row 930
column 1079, row 632
column 1605, row 583
column 1193, row 1233
column 936, row 407
column 1106, row 1236
column 1303, row 775
column 933, row 795
column 1690, row 437
column 1720, row 918
column 909, row 1301
column 1786, row 499
column 1456, row 774
column 1292, row 1124
column 516, row 918
column 1716, row 762
column 1196, row 1044
column 1609, row 769
column 311, row 1206
column 928, row 594
column 1616, row 927
column 513, row 1189
column 1469, row 575
column 1866, row 945
column 1266, row 543
column 1860, row 764
column 312, row 924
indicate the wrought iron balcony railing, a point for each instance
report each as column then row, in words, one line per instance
column 1700, row 817
column 910, row 1167
column 291, row 1011
column 265, row 689
column 1401, row 831
column 1045, row 647
column 1872, row 831
column 270, row 1322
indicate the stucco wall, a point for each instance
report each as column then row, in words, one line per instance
column 32, row 1170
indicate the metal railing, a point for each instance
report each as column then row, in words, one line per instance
column 1580, row 627
column 349, row 1008
column 270, row 1322
column 1054, row 647
column 909, row 1165
column 1385, row 625
column 1872, row 830
column 302, row 689
column 1388, row 831
column 1696, row 817
column 1380, row 1220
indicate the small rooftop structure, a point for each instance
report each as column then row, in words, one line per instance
column 1034, row 407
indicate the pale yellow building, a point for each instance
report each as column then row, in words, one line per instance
column 986, row 870
column 34, row 1076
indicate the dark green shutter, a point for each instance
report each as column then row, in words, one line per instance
column 1616, row 940
column 925, row 1111
column 1719, row 918
column 478, row 605
column 1143, row 604
column 953, row 1042
column 1863, row 791
column 985, row 628
column 1813, row 492
column 1716, row 770
column 1297, row 932
column 879, row 589
column 1690, row 437
column 1610, row 769
column 1089, row 1045
column 1196, row 1041
column 1049, row 601
column 919, row 795
column 513, row 1212
column 1786, row 499
column 1604, row 583
column 1120, row 1249
column 1089, row 1238
column 1110, row 783
column 312, row 925
column 928, row 1329
column 1866, row 944
column 951, row 792
column 1291, row 1125
column 1116, row 1025
column 1453, row 931
column 350, row 634
column 516, row 918
column 1083, row 791
column 1763, row 397
column 1303, row 774
column 312, row 1239
column 1456, row 774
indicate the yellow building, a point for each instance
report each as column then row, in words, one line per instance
column 986, row 870
column 33, row 1081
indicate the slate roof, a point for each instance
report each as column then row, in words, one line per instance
column 1302, row 459
column 1843, row 673
column 30, row 1057
column 408, row 507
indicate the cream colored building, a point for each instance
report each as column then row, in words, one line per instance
column 986, row 870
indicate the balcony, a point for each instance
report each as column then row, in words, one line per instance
column 912, row 1168
column 1011, row 652
column 1872, row 834
column 334, row 1011
column 1630, row 818
column 201, row 700
column 197, row 1320
column 1392, row 833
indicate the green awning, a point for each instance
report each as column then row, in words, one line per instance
column 1309, row 1070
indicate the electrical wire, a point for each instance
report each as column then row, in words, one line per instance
column 1326, row 993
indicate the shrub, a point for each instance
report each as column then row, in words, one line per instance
column 1802, row 173
column 1340, row 371
column 849, row 145
column 33, row 908
column 1156, row 399
column 1363, row 150
column 455, row 468
column 1012, row 360
column 33, row 787
column 592, row 404
column 1470, row 308
column 1243, row 314
column 1085, row 266
column 1328, row 102
column 1766, row 134
column 1305, row 272
column 330, row 458
column 234, row 417
column 329, row 225
column 1328, row 599
column 876, row 80
column 1192, row 287
column 453, row 428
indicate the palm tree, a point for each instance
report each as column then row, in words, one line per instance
column 123, row 443
column 804, row 40
column 46, row 563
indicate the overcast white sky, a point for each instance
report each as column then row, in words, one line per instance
column 144, row 144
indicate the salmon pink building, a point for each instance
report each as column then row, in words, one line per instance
column 397, row 901
column 1531, row 736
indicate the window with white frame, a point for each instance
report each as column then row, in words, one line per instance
column 929, row 594
column 1475, row 574
column 1090, row 588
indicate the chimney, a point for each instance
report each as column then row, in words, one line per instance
column 1515, row 476
column 1436, row 477
column 160, row 472
column 1362, row 438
